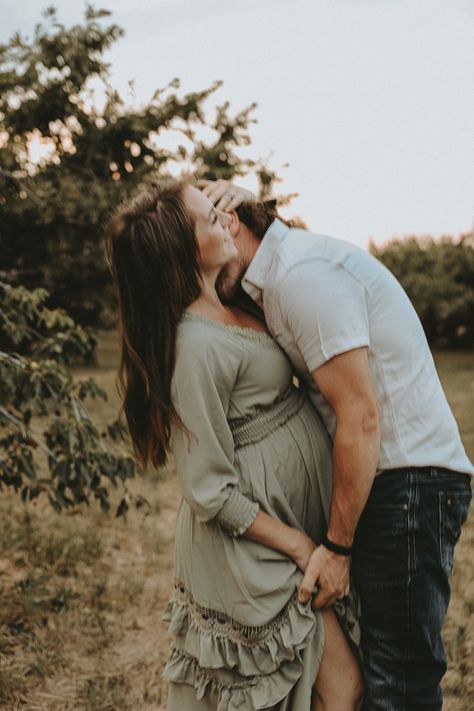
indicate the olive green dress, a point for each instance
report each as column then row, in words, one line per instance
column 241, row 639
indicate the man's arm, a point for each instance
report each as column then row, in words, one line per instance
column 346, row 384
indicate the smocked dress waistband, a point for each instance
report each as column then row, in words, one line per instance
column 247, row 430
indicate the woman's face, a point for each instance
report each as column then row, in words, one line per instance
column 216, row 246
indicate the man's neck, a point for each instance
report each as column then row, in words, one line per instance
column 247, row 243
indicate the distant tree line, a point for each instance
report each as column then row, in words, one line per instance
column 438, row 276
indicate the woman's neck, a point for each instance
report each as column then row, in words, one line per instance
column 210, row 306
column 208, row 302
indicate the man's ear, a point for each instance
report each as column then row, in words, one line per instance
column 234, row 225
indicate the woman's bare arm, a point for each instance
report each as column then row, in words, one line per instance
column 275, row 534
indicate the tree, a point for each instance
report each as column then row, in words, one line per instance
column 438, row 276
column 44, row 421
column 52, row 210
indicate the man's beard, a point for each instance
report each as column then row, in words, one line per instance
column 228, row 284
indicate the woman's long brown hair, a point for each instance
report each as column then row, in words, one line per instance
column 153, row 256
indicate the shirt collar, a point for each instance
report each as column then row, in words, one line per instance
column 253, row 281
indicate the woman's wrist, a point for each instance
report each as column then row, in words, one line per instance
column 298, row 543
column 272, row 532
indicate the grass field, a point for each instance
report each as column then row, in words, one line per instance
column 82, row 593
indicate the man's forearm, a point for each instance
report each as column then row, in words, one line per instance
column 355, row 456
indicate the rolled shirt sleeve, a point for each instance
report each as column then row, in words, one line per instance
column 204, row 454
column 325, row 308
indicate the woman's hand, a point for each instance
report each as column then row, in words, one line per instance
column 224, row 195
column 275, row 534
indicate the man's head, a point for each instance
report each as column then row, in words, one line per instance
column 249, row 223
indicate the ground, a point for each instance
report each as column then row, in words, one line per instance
column 82, row 593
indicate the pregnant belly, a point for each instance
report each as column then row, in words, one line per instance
column 289, row 472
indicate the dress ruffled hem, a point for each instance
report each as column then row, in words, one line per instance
column 244, row 667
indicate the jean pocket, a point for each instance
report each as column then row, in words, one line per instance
column 453, row 511
column 380, row 544
column 381, row 519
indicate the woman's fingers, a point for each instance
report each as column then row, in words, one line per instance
column 205, row 185
column 234, row 196
column 227, row 200
column 239, row 198
column 223, row 194
column 213, row 189
column 309, row 580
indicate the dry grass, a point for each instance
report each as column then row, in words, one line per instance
column 456, row 371
column 82, row 593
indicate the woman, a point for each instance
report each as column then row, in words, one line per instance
column 207, row 382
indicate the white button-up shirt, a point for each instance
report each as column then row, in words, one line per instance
column 322, row 297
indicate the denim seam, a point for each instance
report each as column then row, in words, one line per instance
column 413, row 496
column 440, row 529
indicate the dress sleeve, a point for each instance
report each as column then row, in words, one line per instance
column 325, row 308
column 202, row 384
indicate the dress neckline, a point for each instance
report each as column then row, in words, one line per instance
column 246, row 331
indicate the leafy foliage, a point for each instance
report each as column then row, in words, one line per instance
column 52, row 208
column 438, row 276
column 44, row 421
column 70, row 150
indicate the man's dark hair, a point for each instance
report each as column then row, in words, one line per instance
column 258, row 216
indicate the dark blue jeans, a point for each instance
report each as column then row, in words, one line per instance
column 402, row 560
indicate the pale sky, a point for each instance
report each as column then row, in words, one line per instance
column 371, row 102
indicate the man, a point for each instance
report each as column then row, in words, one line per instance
column 401, row 488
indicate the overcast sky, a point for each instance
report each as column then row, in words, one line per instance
column 371, row 102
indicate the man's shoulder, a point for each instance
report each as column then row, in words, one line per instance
column 302, row 247
column 314, row 253
column 298, row 247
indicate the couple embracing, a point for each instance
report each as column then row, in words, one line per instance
column 315, row 536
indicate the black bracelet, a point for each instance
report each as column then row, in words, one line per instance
column 335, row 547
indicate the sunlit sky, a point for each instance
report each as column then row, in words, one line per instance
column 371, row 102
